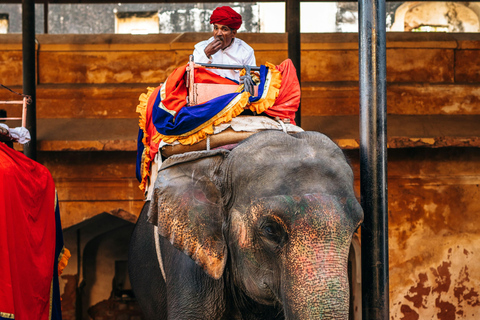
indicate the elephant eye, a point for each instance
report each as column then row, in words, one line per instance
column 268, row 230
column 272, row 233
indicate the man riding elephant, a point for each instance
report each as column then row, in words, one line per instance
column 223, row 47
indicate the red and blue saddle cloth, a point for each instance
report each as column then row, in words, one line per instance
column 164, row 114
column 31, row 239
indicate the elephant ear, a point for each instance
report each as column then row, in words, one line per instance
column 186, row 207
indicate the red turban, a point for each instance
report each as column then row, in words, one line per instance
column 226, row 16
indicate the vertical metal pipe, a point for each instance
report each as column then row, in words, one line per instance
column 373, row 159
column 292, row 22
column 45, row 17
column 29, row 81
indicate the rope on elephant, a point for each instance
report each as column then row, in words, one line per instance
column 284, row 128
column 159, row 253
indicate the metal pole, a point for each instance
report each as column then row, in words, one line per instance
column 292, row 19
column 373, row 159
column 45, row 17
column 29, row 81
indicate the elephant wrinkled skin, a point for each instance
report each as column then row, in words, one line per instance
column 259, row 232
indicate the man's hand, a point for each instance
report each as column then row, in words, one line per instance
column 213, row 47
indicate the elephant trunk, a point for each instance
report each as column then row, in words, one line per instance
column 316, row 281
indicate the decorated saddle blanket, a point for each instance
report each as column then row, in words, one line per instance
column 166, row 117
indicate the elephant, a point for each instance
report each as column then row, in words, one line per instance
column 261, row 231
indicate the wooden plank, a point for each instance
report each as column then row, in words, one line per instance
column 420, row 65
column 331, row 65
column 400, row 126
column 74, row 166
column 11, row 47
column 403, row 65
column 87, row 134
column 89, row 101
column 273, row 56
column 106, row 67
column 87, row 129
column 73, row 212
column 419, row 142
column 320, row 99
column 467, row 66
column 101, row 47
column 110, row 189
column 461, row 99
column 102, row 42
column 87, row 145
column 402, row 99
column 11, row 68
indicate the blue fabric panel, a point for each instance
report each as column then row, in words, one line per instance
column 263, row 77
column 188, row 118
column 140, row 148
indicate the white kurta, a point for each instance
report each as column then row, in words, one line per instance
column 239, row 53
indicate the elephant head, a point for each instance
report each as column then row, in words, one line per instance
column 278, row 212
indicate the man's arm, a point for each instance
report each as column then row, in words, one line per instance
column 203, row 51
column 213, row 48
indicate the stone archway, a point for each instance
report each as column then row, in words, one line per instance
column 443, row 16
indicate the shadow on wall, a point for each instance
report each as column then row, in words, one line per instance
column 103, row 290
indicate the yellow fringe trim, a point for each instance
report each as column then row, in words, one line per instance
column 63, row 260
column 7, row 315
column 273, row 83
column 142, row 123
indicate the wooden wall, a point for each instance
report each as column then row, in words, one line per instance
column 88, row 88
column 97, row 80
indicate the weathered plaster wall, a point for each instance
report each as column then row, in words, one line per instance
column 457, row 17
column 434, row 234
column 434, row 209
